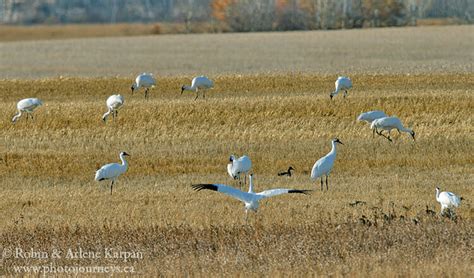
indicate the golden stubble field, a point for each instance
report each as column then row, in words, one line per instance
column 50, row 201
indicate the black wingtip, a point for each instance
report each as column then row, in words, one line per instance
column 305, row 191
column 199, row 187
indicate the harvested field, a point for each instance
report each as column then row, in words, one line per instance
column 423, row 50
column 50, row 201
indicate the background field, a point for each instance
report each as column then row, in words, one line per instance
column 271, row 102
column 49, row 198
column 439, row 49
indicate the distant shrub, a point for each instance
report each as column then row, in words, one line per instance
column 156, row 29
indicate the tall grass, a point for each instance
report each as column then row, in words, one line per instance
column 49, row 198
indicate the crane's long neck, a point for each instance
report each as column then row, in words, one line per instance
column 190, row 88
column 333, row 149
column 104, row 117
column 250, row 184
column 124, row 162
column 437, row 194
column 17, row 115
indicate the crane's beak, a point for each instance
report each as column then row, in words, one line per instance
column 413, row 136
column 132, row 89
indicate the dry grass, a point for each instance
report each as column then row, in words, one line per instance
column 369, row 51
column 10, row 33
column 50, row 201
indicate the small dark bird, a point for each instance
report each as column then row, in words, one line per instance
column 357, row 202
column 287, row 173
column 430, row 212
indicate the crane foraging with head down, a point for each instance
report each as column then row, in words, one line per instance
column 27, row 105
column 389, row 123
column 114, row 103
column 324, row 165
column 144, row 80
column 447, row 200
column 112, row 171
column 250, row 198
column 342, row 84
column 199, row 83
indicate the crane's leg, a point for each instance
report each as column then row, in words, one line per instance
column 246, row 216
column 204, row 94
column 116, row 113
column 327, row 183
column 345, row 93
column 322, row 183
column 383, row 135
column 111, row 187
column 197, row 95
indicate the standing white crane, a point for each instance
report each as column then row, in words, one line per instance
column 114, row 103
column 201, row 83
column 250, row 198
column 112, row 171
column 342, row 83
column 144, row 80
column 389, row 123
column 324, row 165
column 27, row 105
column 447, row 200
column 371, row 116
column 239, row 166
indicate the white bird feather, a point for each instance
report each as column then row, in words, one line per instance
column 199, row 83
column 447, row 200
column 342, row 84
column 114, row 103
column 370, row 116
column 112, row 171
column 324, row 165
column 250, row 198
column 27, row 105
column 238, row 166
column 144, row 80
column 389, row 123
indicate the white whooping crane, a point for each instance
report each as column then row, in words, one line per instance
column 114, row 103
column 239, row 166
column 199, row 83
column 371, row 116
column 447, row 200
column 342, row 83
column 389, row 123
column 250, row 198
column 324, row 165
column 112, row 171
column 144, row 80
column 27, row 105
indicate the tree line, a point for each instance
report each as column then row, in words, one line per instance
column 238, row 15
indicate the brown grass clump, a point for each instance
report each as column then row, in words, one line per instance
column 50, row 201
